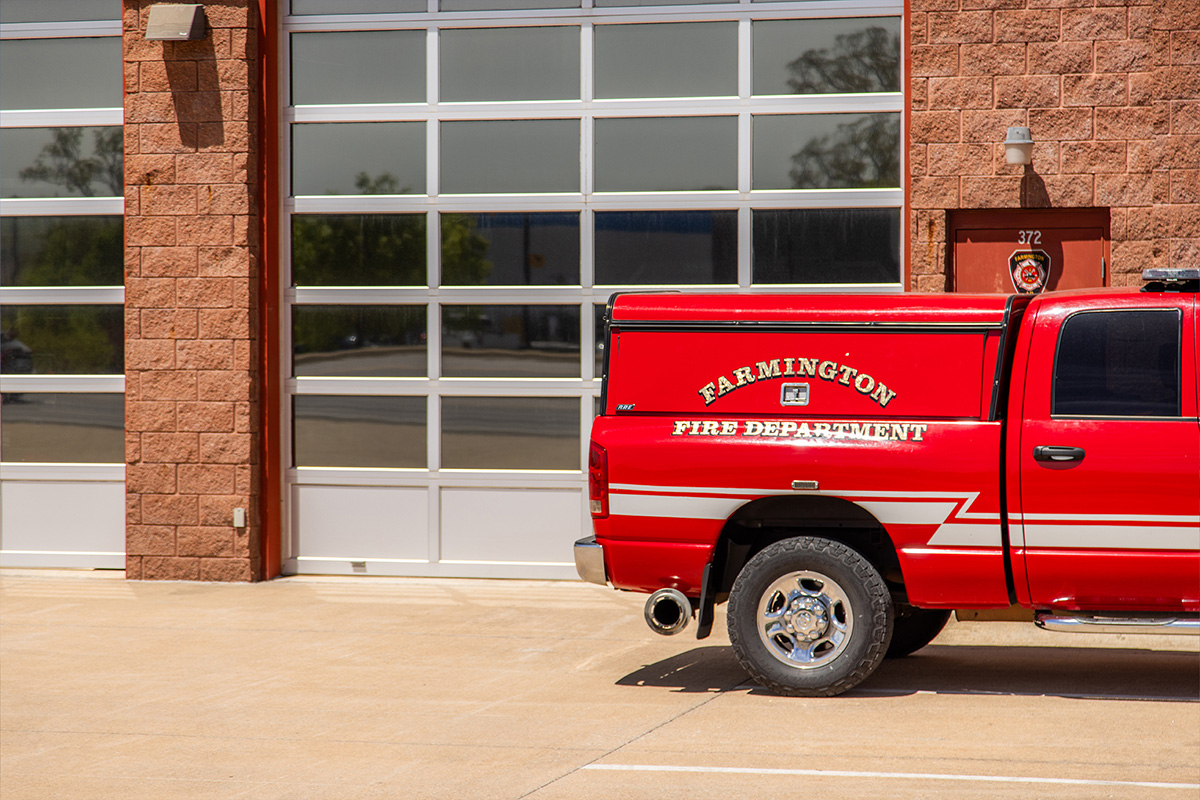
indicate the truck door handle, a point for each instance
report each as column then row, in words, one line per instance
column 1053, row 452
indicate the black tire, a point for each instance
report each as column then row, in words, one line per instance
column 835, row 630
column 914, row 628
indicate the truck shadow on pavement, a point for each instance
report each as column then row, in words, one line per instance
column 1069, row 672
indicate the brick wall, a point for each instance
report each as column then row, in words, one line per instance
column 191, row 261
column 1109, row 89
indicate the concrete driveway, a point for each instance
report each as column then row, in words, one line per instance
column 395, row 688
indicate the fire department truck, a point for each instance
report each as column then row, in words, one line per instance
column 847, row 470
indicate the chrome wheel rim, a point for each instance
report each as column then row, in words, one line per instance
column 805, row 619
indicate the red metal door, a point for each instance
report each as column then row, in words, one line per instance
column 1111, row 521
column 988, row 246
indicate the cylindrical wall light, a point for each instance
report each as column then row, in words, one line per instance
column 1018, row 146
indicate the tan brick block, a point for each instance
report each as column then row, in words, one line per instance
column 208, row 417
column 225, row 199
column 149, row 232
column 1160, row 186
column 917, row 159
column 169, row 262
column 960, row 159
column 207, row 229
column 960, row 93
column 150, row 540
column 133, row 567
column 205, row 292
column 1094, row 24
column 1060, row 58
column 1093, row 157
column 993, row 59
column 245, row 418
column 245, row 233
column 1127, row 55
column 150, row 478
column 153, row 107
column 166, row 137
column 1094, row 90
column 202, row 479
column 1185, row 117
column 994, row 192
column 1061, row 123
column 223, row 385
column 1124, row 190
column 1027, row 26
column 168, row 76
column 225, row 261
column 226, row 570
column 960, row 27
column 225, row 323
column 1185, row 186
column 223, row 137
column 206, row 540
column 929, row 127
column 168, row 200
column 1027, row 91
column 225, row 448
column 1142, row 156
column 1129, row 123
column 934, row 192
column 168, row 324
column 169, row 509
column 218, row 509
column 1147, row 222
column 991, row 5
column 244, row 356
column 1184, row 221
column 170, row 448
column 931, row 283
column 918, row 27
column 203, row 354
column 935, row 60
column 133, row 445
column 167, row 385
column 150, row 354
column 236, row 105
column 157, row 168
column 1185, row 48
column 149, row 416
column 161, row 568
column 133, row 200
column 1178, row 152
column 992, row 126
column 1178, row 83
column 205, row 168
column 918, row 99
column 1071, row 191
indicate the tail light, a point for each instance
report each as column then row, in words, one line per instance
column 598, row 480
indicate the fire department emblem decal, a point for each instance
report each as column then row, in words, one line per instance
column 1029, row 270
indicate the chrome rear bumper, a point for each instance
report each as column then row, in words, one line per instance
column 589, row 561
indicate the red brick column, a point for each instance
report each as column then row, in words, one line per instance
column 1109, row 89
column 192, row 255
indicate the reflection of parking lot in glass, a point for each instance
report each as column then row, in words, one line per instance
column 63, row 428
column 371, row 362
column 510, row 433
column 366, row 432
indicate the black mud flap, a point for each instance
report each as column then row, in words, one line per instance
column 707, row 604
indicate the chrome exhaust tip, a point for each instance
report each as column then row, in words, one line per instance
column 668, row 612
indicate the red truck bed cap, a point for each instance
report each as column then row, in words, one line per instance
column 914, row 309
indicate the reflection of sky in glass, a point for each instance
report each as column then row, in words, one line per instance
column 486, row 64
column 60, row 73
column 358, row 67
column 849, row 151
column 510, row 156
column 332, row 158
column 58, row 11
column 689, row 59
column 666, row 154
column 22, row 146
column 83, row 428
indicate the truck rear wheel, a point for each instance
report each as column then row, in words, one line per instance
column 809, row 617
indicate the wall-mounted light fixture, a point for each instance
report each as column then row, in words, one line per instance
column 175, row 22
column 1018, row 146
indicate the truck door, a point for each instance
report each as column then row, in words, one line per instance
column 1109, row 456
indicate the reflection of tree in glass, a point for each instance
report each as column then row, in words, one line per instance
column 62, row 251
column 61, row 161
column 863, row 154
column 79, row 340
column 464, row 252
column 865, row 61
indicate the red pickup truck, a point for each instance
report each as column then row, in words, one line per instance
column 846, row 470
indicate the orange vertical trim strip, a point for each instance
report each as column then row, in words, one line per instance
column 270, row 425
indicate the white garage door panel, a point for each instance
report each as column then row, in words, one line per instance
column 362, row 522
column 62, row 524
column 530, row 526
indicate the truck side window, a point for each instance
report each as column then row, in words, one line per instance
column 1118, row 364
